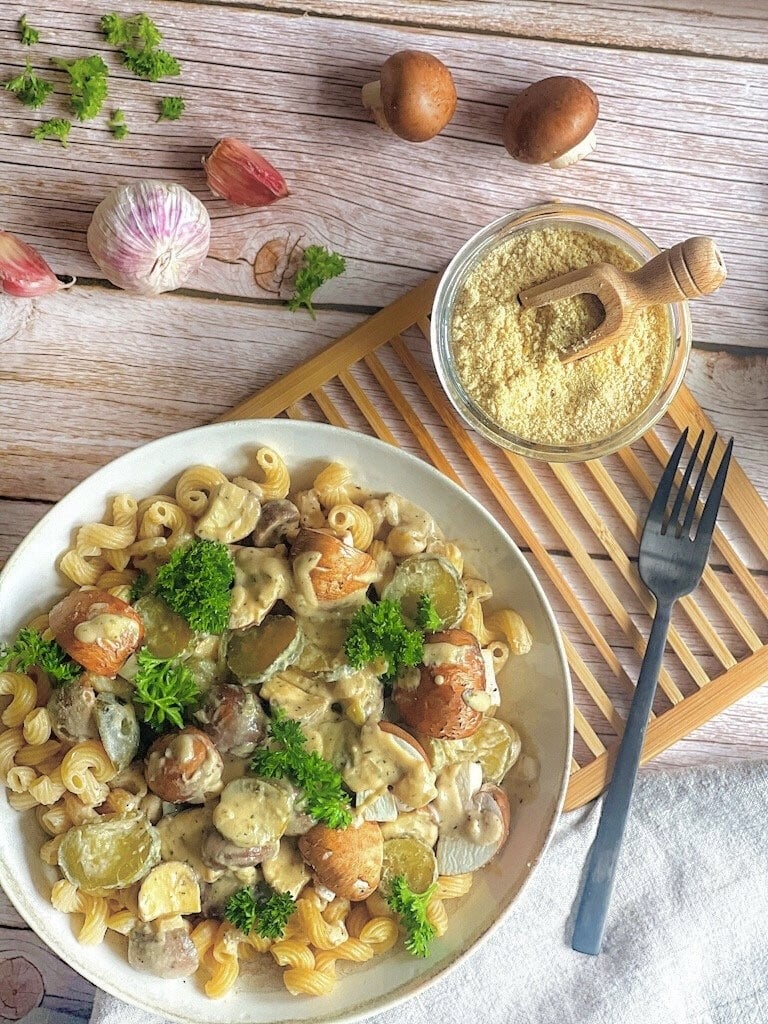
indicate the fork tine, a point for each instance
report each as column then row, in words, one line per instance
column 708, row 516
column 693, row 504
column 684, row 482
column 661, row 497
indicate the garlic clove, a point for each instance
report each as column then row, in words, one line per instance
column 240, row 174
column 24, row 272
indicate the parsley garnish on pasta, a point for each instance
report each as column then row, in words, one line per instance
column 197, row 583
column 30, row 649
column 320, row 783
column 262, row 909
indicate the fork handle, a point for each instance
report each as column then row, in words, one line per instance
column 604, row 855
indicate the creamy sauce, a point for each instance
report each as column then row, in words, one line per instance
column 438, row 654
column 253, row 812
column 262, row 577
column 462, row 810
column 379, row 761
column 107, row 628
column 478, row 700
column 181, row 837
column 286, row 871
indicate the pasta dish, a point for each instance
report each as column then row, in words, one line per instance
column 262, row 721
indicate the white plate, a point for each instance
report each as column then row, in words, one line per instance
column 536, row 697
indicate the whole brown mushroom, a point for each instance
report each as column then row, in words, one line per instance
column 552, row 122
column 415, row 96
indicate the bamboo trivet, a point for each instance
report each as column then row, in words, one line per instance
column 579, row 527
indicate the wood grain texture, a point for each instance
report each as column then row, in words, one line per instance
column 702, row 26
column 397, row 211
column 140, row 370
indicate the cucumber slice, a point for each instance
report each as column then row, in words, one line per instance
column 432, row 575
column 411, row 858
column 258, row 652
column 109, row 854
column 166, row 633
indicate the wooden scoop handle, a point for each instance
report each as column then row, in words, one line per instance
column 686, row 271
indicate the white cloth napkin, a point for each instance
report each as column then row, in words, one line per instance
column 687, row 935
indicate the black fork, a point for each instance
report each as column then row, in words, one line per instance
column 672, row 559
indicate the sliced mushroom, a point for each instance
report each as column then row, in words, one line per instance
column 118, row 729
column 233, row 718
column 164, row 952
column 348, row 861
column 218, row 852
column 184, row 767
column 414, row 97
column 279, row 520
column 552, row 121
column 96, row 629
column 71, row 708
column 170, row 888
column 232, row 514
column 473, row 819
column 326, row 570
column 446, row 698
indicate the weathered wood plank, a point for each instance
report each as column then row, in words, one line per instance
column 66, row 994
column 679, row 25
column 396, row 211
column 142, row 369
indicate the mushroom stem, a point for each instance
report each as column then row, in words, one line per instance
column 577, row 152
column 372, row 101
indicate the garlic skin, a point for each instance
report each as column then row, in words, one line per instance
column 238, row 173
column 23, row 271
column 149, row 236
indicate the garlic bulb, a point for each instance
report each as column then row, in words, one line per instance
column 149, row 236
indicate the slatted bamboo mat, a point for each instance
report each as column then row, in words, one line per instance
column 577, row 524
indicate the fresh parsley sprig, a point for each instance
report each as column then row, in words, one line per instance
column 264, row 909
column 412, row 908
column 117, row 125
column 29, row 88
column 322, row 786
column 197, row 583
column 171, row 108
column 88, row 84
column 28, row 36
column 163, row 687
column 318, row 266
column 138, row 39
column 378, row 631
column 55, row 128
column 30, row 649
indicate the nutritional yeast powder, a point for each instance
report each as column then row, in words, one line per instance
column 506, row 356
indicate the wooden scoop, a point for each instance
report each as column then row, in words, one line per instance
column 688, row 270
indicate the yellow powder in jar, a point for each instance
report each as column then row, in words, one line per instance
column 507, row 357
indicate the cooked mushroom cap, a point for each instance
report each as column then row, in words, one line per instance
column 448, row 699
column 347, row 860
column 418, row 96
column 549, row 118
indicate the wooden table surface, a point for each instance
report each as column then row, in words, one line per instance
column 88, row 374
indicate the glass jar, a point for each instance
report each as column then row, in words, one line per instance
column 603, row 225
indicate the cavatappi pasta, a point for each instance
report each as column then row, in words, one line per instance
column 426, row 788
